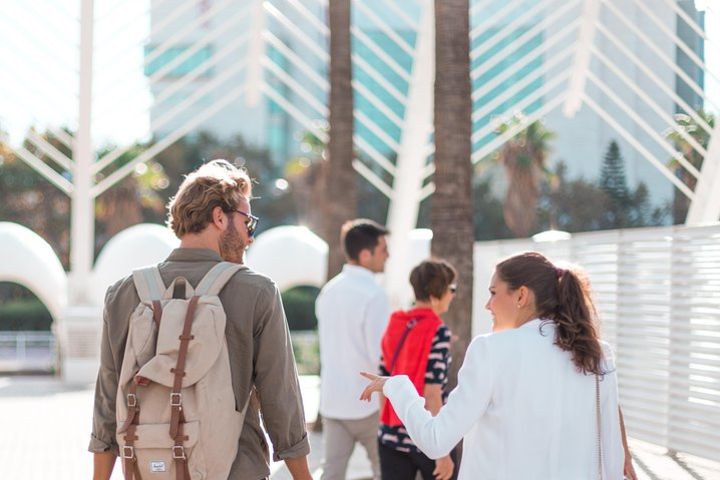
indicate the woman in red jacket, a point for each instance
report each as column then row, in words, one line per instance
column 417, row 344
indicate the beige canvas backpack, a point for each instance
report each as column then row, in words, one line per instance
column 176, row 412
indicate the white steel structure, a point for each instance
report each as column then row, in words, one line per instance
column 563, row 60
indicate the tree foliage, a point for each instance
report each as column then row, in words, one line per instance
column 687, row 135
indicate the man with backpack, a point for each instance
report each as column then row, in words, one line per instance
column 195, row 348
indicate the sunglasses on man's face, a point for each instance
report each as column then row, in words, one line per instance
column 251, row 224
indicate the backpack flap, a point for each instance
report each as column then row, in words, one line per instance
column 208, row 332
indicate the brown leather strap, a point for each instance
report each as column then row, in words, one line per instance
column 157, row 312
column 182, row 472
column 179, row 370
column 132, row 471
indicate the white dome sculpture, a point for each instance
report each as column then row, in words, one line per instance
column 27, row 259
column 134, row 247
column 291, row 256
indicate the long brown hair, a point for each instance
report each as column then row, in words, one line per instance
column 562, row 296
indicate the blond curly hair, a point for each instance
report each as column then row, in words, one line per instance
column 218, row 183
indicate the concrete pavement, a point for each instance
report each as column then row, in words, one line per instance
column 45, row 427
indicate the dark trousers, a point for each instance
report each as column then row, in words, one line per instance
column 395, row 465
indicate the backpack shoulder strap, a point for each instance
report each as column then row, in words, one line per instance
column 214, row 281
column 149, row 283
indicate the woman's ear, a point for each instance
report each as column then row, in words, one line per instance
column 522, row 296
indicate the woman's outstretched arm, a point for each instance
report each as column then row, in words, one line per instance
column 436, row 436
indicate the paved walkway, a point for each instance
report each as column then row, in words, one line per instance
column 44, row 429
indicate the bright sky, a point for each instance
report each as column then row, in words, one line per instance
column 39, row 57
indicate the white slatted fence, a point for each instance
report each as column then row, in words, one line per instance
column 658, row 293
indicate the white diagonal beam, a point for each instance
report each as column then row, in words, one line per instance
column 630, row 138
column 659, row 111
column 377, row 130
column 296, row 32
column 371, row 152
column 48, row 149
column 402, row 14
column 518, row 42
column 391, row 34
column 514, row 130
column 676, row 40
column 311, row 126
column 652, row 76
column 174, row 87
column 479, row 6
column 644, row 125
column 198, row 94
column 377, row 76
column 705, row 207
column 508, row 29
column 372, row 177
column 581, row 66
column 522, row 104
column 196, row 46
column 183, row 32
column 380, row 53
column 660, row 54
column 492, row 20
column 526, row 81
column 168, row 140
column 294, row 112
column 298, row 62
column 44, row 170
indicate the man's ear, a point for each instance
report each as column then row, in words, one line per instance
column 219, row 218
column 364, row 257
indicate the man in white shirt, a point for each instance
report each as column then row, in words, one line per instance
column 352, row 311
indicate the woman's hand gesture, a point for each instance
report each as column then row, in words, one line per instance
column 376, row 385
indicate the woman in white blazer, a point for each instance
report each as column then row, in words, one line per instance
column 527, row 401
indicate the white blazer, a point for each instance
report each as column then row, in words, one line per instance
column 524, row 411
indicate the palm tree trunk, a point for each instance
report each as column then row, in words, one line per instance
column 451, row 213
column 339, row 177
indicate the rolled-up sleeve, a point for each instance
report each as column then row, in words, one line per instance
column 276, row 379
column 102, row 438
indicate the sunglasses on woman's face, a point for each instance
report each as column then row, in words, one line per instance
column 251, row 224
column 453, row 288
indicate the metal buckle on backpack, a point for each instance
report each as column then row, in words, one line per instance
column 173, row 402
column 131, row 400
column 181, row 455
column 129, row 449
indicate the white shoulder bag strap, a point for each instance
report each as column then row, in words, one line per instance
column 599, row 427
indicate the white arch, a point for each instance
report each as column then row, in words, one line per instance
column 291, row 256
column 134, row 247
column 27, row 259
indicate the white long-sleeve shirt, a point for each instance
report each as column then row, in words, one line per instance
column 524, row 411
column 352, row 311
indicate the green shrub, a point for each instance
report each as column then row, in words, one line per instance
column 25, row 314
column 299, row 305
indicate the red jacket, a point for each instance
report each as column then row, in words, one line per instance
column 412, row 358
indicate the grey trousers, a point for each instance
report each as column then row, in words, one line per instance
column 340, row 438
